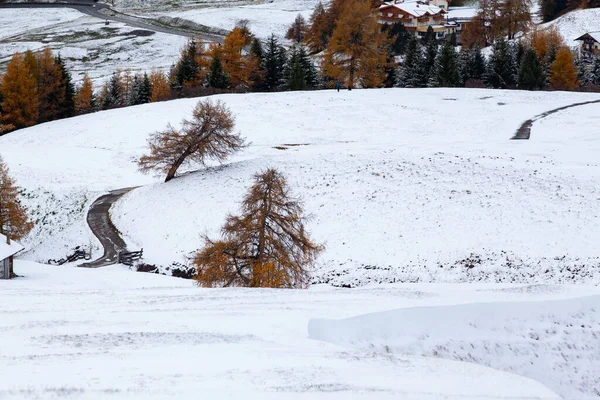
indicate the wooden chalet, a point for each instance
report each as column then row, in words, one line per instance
column 417, row 17
column 589, row 44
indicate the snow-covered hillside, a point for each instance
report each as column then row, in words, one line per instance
column 264, row 18
column 115, row 334
column 85, row 43
column 402, row 185
column 576, row 23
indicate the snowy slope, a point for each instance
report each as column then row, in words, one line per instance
column 576, row 23
column 115, row 334
column 434, row 184
column 264, row 19
column 85, row 43
column 393, row 197
column 553, row 342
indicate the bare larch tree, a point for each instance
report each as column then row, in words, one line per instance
column 208, row 135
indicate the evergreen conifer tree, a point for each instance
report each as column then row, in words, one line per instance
column 141, row 90
column 431, row 51
column 410, row 73
column 531, row 74
column 399, row 35
column 594, row 76
column 187, row 68
column 445, row 71
column 295, row 76
column 274, row 63
column 67, row 107
column 300, row 73
column 502, row 69
column 256, row 56
column 112, row 96
column 217, row 78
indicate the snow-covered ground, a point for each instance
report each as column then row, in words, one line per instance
column 86, row 44
column 555, row 342
column 115, row 334
column 402, row 185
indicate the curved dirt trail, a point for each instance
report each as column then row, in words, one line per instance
column 98, row 219
column 524, row 131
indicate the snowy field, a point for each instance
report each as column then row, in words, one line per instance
column 116, row 334
column 264, row 19
column 85, row 42
column 429, row 188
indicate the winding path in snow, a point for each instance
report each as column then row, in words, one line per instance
column 524, row 131
column 98, row 219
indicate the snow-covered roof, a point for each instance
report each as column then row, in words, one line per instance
column 594, row 35
column 7, row 250
column 415, row 8
column 462, row 12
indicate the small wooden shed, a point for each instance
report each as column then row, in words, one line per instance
column 8, row 249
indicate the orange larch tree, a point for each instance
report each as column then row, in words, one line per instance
column 161, row 90
column 49, row 84
column 14, row 222
column 266, row 246
column 20, row 105
column 235, row 64
column 358, row 50
column 563, row 72
column 85, row 100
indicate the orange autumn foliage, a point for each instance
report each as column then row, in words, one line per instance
column 266, row 246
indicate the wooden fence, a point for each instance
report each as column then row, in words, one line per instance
column 129, row 257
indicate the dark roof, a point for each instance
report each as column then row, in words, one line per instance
column 592, row 35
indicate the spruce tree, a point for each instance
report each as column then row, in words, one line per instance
column 471, row 64
column 141, row 90
column 431, row 51
column 216, row 77
column 399, row 35
column 187, row 67
column 295, row 76
column 445, row 71
column 256, row 49
column 531, row 74
column 274, row 63
column 67, row 107
column 310, row 71
column 594, row 75
column 257, row 76
column 410, row 73
column 112, row 96
column 502, row 69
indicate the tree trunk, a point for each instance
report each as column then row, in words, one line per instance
column 176, row 165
